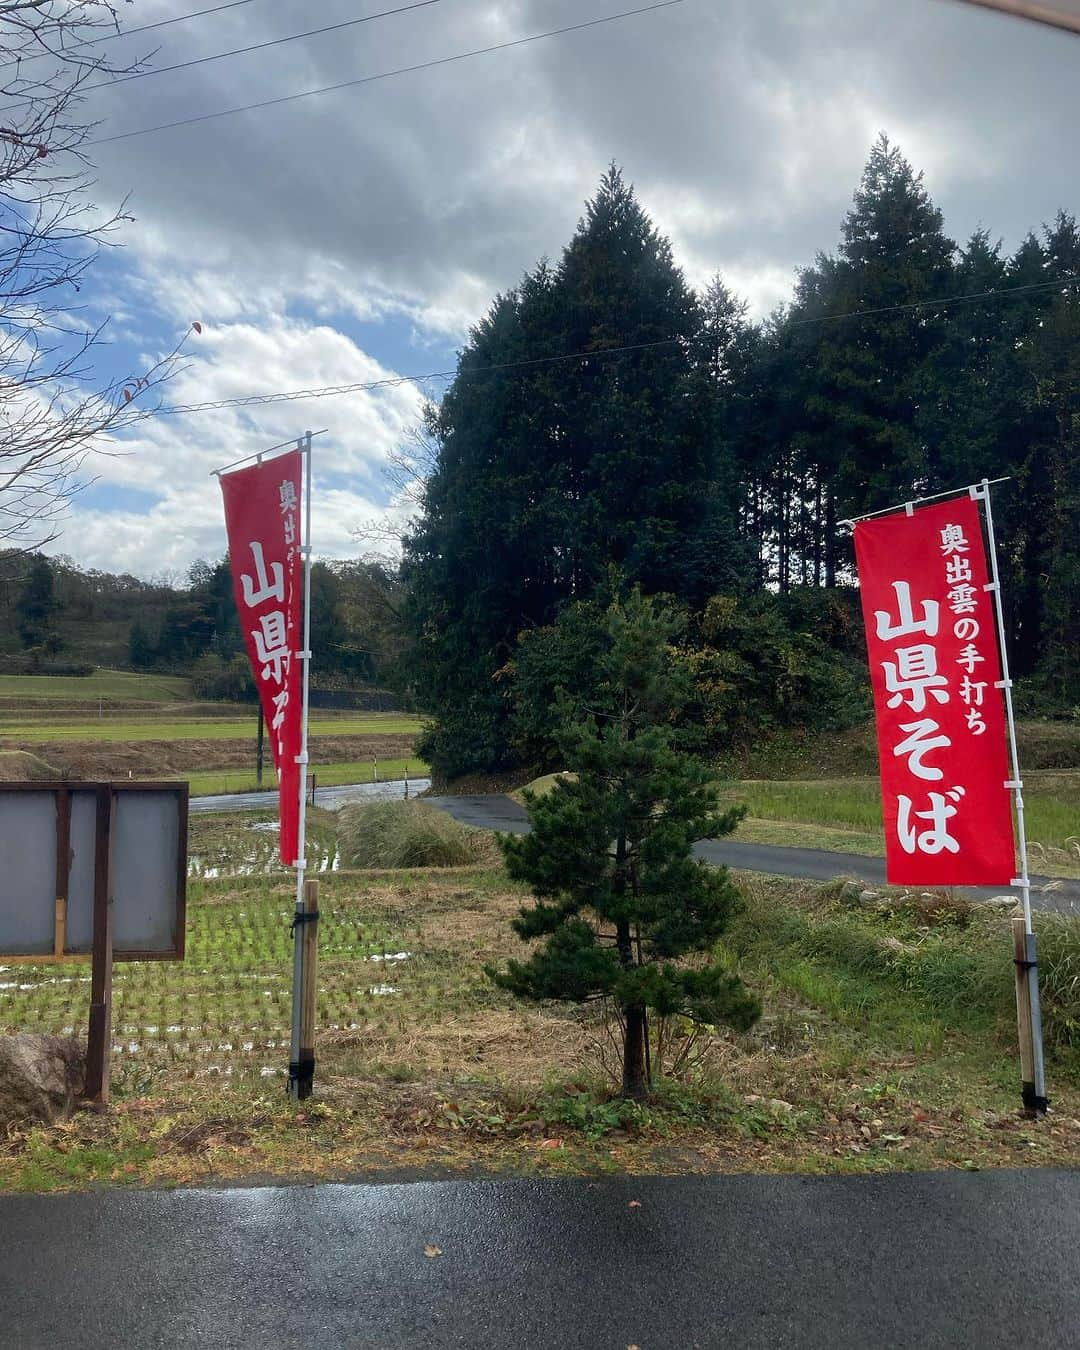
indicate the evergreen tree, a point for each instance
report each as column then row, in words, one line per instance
column 141, row 652
column 549, row 472
column 36, row 604
column 868, row 346
column 1051, row 360
column 620, row 899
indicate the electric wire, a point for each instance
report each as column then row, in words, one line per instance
column 257, row 46
column 125, row 33
column 385, row 74
column 395, row 381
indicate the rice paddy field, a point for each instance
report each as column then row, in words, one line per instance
column 886, row 1041
column 117, row 725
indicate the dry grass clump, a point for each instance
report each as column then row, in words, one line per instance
column 408, row 834
column 19, row 766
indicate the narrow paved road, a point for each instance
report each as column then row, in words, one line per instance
column 330, row 798
column 811, row 864
column 947, row 1259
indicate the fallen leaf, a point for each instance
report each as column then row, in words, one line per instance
column 551, row 1143
column 431, row 1250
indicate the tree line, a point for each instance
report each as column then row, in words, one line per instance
column 60, row 618
column 696, row 454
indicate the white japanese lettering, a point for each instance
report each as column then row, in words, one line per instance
column 270, row 645
column 920, row 741
column 267, row 589
column 936, row 839
column 913, row 674
column 907, row 623
column 952, row 540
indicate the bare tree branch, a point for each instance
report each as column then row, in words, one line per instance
column 51, row 232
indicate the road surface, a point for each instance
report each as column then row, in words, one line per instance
column 330, row 798
column 811, row 864
column 947, row 1259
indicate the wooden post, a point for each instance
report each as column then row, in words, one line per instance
column 309, row 936
column 63, row 869
column 1023, row 1014
column 99, row 1032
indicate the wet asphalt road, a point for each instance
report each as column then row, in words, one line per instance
column 329, row 798
column 811, row 864
column 947, row 1259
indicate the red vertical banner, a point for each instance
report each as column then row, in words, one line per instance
column 262, row 521
column 934, row 665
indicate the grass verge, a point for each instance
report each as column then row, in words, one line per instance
column 887, row 1043
column 200, row 729
column 1053, row 817
column 214, row 781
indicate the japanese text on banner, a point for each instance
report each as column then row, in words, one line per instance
column 262, row 511
column 935, row 672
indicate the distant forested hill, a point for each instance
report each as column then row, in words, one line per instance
column 56, row 616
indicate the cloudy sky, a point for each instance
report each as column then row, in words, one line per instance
column 356, row 235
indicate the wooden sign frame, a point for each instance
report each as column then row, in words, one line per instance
column 63, row 792
column 102, row 953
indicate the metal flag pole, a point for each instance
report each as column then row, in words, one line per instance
column 1025, row 954
column 302, row 1072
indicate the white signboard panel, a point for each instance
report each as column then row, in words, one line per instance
column 49, row 851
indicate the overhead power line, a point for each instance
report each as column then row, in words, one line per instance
column 258, row 46
column 387, row 74
column 395, row 381
column 127, row 32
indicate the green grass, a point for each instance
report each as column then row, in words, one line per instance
column 935, row 970
column 214, row 781
column 111, row 686
column 1051, row 801
column 853, row 753
column 195, row 729
column 887, row 1042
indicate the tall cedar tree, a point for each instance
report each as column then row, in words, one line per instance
column 851, row 440
column 36, row 604
column 549, row 473
column 620, row 899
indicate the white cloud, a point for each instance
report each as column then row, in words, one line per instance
column 743, row 123
column 172, row 458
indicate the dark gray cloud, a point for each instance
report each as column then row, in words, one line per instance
column 744, row 124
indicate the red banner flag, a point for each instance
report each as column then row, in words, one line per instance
column 935, row 671
column 262, row 520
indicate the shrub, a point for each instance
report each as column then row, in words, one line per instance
column 1059, row 980
column 214, row 678
column 408, row 834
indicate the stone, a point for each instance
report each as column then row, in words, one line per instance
column 1004, row 903
column 40, row 1077
column 780, row 1106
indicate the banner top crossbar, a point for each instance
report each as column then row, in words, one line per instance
column 968, row 489
column 294, row 443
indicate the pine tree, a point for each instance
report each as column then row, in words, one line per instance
column 141, row 652
column 36, row 604
column 620, row 899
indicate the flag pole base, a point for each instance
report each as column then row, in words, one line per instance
column 1034, row 1105
column 301, row 1079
